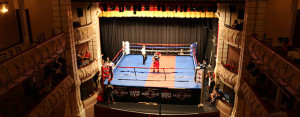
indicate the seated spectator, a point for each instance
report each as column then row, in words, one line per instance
column 235, row 24
column 293, row 55
column 204, row 64
column 87, row 56
column 279, row 43
column 286, row 43
column 80, row 59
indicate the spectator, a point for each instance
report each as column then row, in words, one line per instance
column 279, row 43
column 204, row 64
column 293, row 55
column 286, row 43
column 107, row 60
column 235, row 24
column 87, row 56
column 96, row 79
column 211, row 83
column 181, row 52
column 80, row 59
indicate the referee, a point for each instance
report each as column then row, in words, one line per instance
column 144, row 54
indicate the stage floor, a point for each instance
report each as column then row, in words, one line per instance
column 174, row 78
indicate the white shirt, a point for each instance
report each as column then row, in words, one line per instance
column 143, row 51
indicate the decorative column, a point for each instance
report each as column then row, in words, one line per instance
column 62, row 14
column 253, row 23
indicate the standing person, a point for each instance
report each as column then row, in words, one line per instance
column 211, row 83
column 107, row 60
column 156, row 58
column 144, row 54
column 109, row 94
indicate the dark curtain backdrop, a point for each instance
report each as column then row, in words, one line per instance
column 155, row 30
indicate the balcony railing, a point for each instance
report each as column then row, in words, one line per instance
column 88, row 102
column 88, row 71
column 227, row 75
column 278, row 69
column 232, row 36
column 256, row 106
column 52, row 99
column 224, row 108
column 84, row 33
column 18, row 68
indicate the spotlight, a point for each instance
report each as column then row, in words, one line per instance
column 171, row 8
column 192, row 8
column 163, row 7
column 128, row 7
column 112, row 7
column 185, row 8
column 121, row 8
column 146, row 7
column 104, row 7
column 139, row 7
column 158, row 7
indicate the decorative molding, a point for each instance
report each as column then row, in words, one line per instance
column 232, row 36
column 48, row 104
column 255, row 105
column 26, row 63
column 87, row 72
column 224, row 108
column 91, row 100
column 278, row 69
column 228, row 77
column 84, row 33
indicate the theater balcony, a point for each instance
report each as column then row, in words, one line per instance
column 24, row 65
column 282, row 72
column 253, row 101
column 88, row 104
column 88, row 71
column 84, row 33
column 231, row 36
column 225, row 108
column 227, row 75
column 49, row 102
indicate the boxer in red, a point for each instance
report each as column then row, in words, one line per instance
column 156, row 58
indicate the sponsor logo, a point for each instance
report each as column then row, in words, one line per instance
column 134, row 93
column 120, row 92
column 182, row 95
column 150, row 93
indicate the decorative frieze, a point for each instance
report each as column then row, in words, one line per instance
column 48, row 104
column 228, row 77
column 279, row 69
column 231, row 36
column 84, row 33
column 255, row 105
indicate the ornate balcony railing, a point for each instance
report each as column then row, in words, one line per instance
column 226, row 75
column 88, row 71
column 232, row 36
column 90, row 101
column 49, row 102
column 84, row 33
column 255, row 104
column 276, row 67
column 224, row 108
column 20, row 67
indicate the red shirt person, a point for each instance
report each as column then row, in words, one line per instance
column 156, row 58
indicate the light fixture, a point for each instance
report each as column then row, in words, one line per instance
column 4, row 9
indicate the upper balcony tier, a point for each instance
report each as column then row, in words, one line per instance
column 17, row 69
column 84, row 33
column 275, row 66
column 232, row 36
column 52, row 99
column 227, row 76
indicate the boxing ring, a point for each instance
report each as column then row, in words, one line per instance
column 175, row 83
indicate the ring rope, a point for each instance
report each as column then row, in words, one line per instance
column 152, row 68
column 156, row 47
column 159, row 50
column 162, row 44
column 118, row 54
